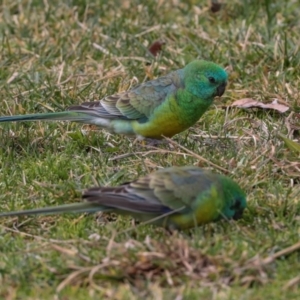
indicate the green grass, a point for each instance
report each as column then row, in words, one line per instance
column 50, row 60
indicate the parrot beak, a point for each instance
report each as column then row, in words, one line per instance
column 238, row 209
column 238, row 214
column 221, row 89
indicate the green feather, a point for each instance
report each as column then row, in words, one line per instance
column 161, row 107
column 176, row 197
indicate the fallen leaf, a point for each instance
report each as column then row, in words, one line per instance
column 156, row 47
column 249, row 102
column 293, row 146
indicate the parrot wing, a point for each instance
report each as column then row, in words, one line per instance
column 137, row 103
column 160, row 192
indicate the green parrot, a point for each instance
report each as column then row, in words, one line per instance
column 175, row 198
column 161, row 107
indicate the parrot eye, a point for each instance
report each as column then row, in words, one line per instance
column 212, row 79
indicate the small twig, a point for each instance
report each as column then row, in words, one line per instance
column 67, row 80
column 270, row 259
column 234, row 137
column 138, row 58
column 153, row 28
column 197, row 156
column 280, row 253
column 292, row 282
column 148, row 152
column 38, row 237
column 153, row 220
column 71, row 277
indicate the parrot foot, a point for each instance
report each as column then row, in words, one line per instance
column 150, row 142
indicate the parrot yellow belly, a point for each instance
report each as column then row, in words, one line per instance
column 204, row 211
column 167, row 120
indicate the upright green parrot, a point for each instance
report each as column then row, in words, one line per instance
column 161, row 107
column 175, row 198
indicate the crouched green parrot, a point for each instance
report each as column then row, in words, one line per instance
column 175, row 198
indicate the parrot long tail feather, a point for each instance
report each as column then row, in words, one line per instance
column 66, row 208
column 56, row 116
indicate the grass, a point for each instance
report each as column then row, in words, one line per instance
column 55, row 54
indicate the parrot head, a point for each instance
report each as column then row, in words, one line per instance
column 205, row 79
column 235, row 199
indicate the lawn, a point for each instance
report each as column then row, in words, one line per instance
column 58, row 53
